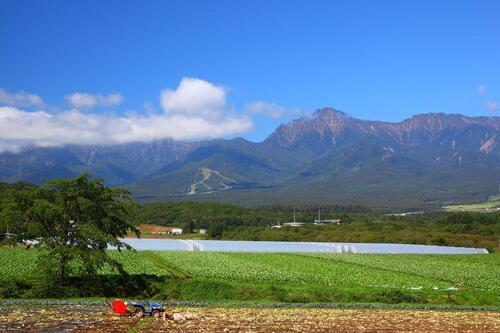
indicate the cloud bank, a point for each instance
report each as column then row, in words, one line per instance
column 20, row 99
column 81, row 100
column 195, row 110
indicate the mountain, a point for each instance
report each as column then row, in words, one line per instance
column 327, row 157
column 246, row 164
column 328, row 130
column 118, row 164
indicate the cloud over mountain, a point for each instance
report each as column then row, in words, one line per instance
column 195, row 110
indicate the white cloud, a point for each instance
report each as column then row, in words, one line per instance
column 196, row 110
column 481, row 89
column 20, row 128
column 267, row 109
column 20, row 99
column 81, row 100
column 273, row 110
column 194, row 97
column 491, row 106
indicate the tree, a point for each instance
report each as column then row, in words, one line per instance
column 73, row 220
column 190, row 227
column 215, row 229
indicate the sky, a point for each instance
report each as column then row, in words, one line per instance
column 106, row 72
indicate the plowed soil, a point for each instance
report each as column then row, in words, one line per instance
column 99, row 319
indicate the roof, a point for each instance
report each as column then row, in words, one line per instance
column 156, row 228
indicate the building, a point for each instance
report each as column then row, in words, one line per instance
column 330, row 221
column 319, row 221
column 175, row 231
column 159, row 230
column 202, row 231
column 293, row 224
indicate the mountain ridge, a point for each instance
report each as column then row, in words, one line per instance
column 327, row 156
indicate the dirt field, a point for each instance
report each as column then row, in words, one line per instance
column 98, row 319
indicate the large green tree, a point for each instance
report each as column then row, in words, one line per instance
column 73, row 222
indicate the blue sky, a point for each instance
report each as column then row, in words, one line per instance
column 384, row 60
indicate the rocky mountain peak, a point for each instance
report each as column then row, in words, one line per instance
column 327, row 126
column 329, row 112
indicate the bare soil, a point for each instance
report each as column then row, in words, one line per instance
column 98, row 319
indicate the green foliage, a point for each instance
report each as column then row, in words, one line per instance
column 137, row 285
column 73, row 221
column 202, row 214
column 215, row 230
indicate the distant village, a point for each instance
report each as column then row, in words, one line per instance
column 158, row 230
column 296, row 224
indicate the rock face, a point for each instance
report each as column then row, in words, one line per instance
column 329, row 128
column 326, row 157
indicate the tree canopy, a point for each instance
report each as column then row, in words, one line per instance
column 72, row 220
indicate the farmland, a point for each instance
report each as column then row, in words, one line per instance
column 292, row 268
column 212, row 276
column 257, row 320
column 19, row 261
column 492, row 204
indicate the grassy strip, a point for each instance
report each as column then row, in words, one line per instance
column 216, row 291
column 268, row 292
column 158, row 262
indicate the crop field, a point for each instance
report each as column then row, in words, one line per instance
column 215, row 276
column 19, row 261
column 472, row 270
column 391, row 271
column 136, row 263
column 293, row 268
column 342, row 270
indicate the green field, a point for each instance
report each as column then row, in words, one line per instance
column 460, row 279
column 492, row 204
column 20, row 261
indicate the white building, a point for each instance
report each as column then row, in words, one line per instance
column 294, row 224
column 330, row 221
column 175, row 231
